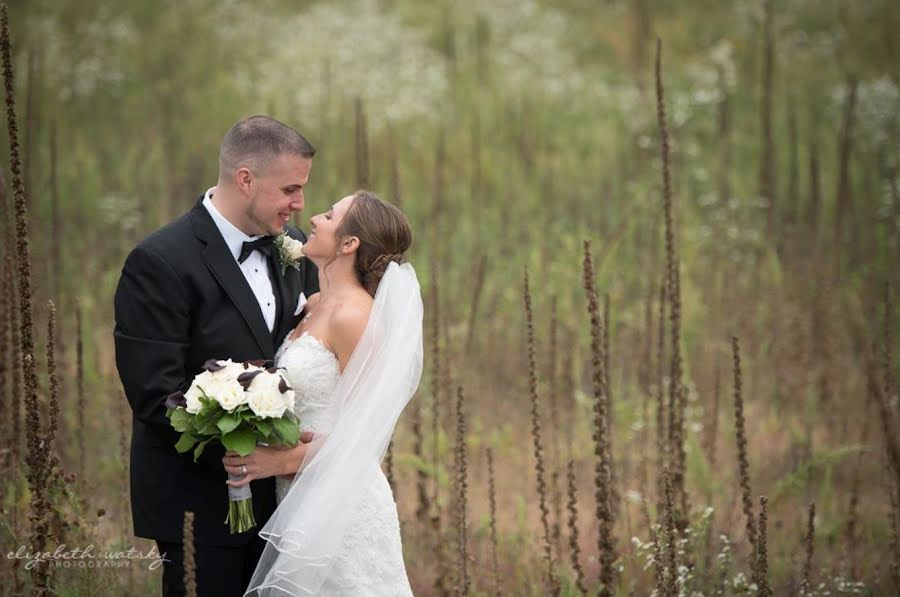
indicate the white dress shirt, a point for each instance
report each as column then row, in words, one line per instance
column 255, row 268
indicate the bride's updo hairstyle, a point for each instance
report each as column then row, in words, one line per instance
column 384, row 236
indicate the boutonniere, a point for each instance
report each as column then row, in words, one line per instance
column 290, row 252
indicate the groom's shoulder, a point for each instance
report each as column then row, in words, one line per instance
column 171, row 235
column 172, row 241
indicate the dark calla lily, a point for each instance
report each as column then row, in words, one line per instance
column 212, row 365
column 261, row 363
column 175, row 400
column 282, row 386
column 246, row 378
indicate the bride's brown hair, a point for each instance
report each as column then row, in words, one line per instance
column 384, row 236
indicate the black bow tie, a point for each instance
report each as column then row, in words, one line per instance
column 262, row 244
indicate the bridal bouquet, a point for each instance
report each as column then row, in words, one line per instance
column 240, row 405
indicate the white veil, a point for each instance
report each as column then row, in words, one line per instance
column 305, row 533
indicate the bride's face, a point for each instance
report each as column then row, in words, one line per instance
column 323, row 242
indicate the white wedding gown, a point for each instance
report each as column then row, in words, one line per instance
column 370, row 561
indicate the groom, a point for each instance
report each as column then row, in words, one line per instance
column 209, row 285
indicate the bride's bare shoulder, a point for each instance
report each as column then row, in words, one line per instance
column 346, row 325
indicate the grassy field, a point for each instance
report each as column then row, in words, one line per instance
column 733, row 318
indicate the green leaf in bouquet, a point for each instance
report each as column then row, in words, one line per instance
column 181, row 420
column 241, row 441
column 207, row 424
column 208, row 428
column 199, row 449
column 228, row 422
column 209, row 406
column 287, row 430
column 185, row 442
column 264, row 428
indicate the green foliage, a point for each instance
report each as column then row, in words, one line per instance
column 239, row 430
column 228, row 422
column 821, row 465
column 287, row 430
column 242, row 441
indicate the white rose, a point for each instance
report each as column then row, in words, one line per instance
column 231, row 369
column 288, row 398
column 225, row 390
column 264, row 396
column 192, row 396
column 293, row 247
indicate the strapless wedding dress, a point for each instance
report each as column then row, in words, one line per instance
column 370, row 561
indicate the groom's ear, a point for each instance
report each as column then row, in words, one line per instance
column 243, row 179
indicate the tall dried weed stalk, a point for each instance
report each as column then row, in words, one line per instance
column 462, row 571
column 15, row 381
column 671, row 532
column 536, row 438
column 806, row 582
column 607, row 372
column 37, row 455
column 553, row 445
column 437, row 364
column 7, row 392
column 762, row 556
column 677, row 397
column 573, row 529
column 492, row 503
column 605, row 541
column 662, row 443
column 51, row 462
column 743, row 460
column 190, row 563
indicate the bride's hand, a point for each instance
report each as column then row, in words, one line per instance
column 266, row 461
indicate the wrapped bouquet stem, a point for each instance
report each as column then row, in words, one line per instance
column 239, row 405
column 240, row 507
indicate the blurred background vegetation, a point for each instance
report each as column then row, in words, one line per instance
column 510, row 131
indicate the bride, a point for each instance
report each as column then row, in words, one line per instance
column 354, row 361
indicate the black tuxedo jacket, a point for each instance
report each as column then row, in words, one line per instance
column 181, row 300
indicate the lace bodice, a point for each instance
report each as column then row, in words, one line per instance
column 312, row 370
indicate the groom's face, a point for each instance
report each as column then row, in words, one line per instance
column 276, row 193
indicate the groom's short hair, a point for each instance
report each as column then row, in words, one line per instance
column 257, row 140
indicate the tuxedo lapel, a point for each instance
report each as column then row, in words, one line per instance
column 225, row 270
column 287, row 297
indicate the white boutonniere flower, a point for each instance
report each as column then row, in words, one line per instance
column 290, row 252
